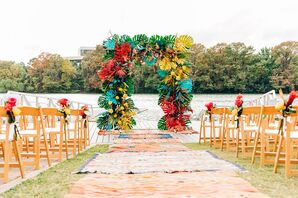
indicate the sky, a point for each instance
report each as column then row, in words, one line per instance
column 30, row 27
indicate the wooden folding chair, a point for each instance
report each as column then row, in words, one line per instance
column 34, row 136
column 9, row 148
column 269, row 136
column 55, row 128
column 217, row 125
column 290, row 134
column 74, row 130
column 230, row 131
column 291, row 146
column 250, row 124
column 213, row 123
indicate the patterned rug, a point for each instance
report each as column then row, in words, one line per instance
column 200, row 184
column 149, row 147
column 150, row 162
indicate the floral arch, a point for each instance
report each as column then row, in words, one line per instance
column 168, row 55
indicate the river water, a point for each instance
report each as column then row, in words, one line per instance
column 147, row 103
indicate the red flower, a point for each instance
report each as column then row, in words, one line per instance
column 209, row 106
column 82, row 113
column 122, row 52
column 63, row 102
column 106, row 71
column 292, row 97
column 12, row 101
column 8, row 107
column 238, row 101
column 168, row 107
column 121, row 73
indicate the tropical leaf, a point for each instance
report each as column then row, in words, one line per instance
column 183, row 42
column 140, row 38
column 103, row 121
column 103, row 102
column 130, row 86
column 124, row 39
column 161, row 125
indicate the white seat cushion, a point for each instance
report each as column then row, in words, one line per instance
column 55, row 130
column 250, row 128
column 28, row 132
column 2, row 136
column 271, row 131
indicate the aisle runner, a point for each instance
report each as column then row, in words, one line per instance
column 154, row 165
column 200, row 184
column 146, row 162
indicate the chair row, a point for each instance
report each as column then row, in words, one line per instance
column 260, row 132
column 40, row 133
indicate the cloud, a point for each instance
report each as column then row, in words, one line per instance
column 62, row 26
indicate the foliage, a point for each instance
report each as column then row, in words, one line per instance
column 222, row 68
column 168, row 54
column 51, row 73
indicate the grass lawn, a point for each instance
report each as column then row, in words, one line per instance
column 263, row 178
column 54, row 182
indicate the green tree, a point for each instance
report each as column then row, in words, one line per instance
column 12, row 76
column 286, row 58
column 88, row 71
column 51, row 73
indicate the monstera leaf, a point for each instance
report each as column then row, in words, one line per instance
column 162, row 124
column 170, row 40
column 140, row 38
column 124, row 39
column 183, row 43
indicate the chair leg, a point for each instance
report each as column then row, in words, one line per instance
column 18, row 157
column 288, row 157
column 47, row 150
column 237, row 141
column 6, row 155
column 255, row 148
column 278, row 153
column 37, row 153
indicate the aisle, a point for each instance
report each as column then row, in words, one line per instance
column 156, row 164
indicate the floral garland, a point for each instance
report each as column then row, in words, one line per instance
column 12, row 111
column 285, row 107
column 64, row 108
column 237, row 109
column 167, row 54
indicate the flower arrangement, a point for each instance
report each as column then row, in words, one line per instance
column 84, row 111
column 209, row 106
column 167, row 55
column 64, row 107
column 12, row 111
column 237, row 108
column 285, row 107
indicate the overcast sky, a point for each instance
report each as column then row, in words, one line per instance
column 29, row 27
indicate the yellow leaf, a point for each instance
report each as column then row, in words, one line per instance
column 183, row 42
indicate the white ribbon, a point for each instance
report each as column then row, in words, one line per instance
column 11, row 131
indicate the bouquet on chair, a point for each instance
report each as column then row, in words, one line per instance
column 84, row 112
column 12, row 111
column 64, row 108
column 285, row 107
column 209, row 106
column 237, row 108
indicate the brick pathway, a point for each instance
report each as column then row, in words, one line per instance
column 159, row 167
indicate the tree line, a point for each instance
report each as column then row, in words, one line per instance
column 223, row 68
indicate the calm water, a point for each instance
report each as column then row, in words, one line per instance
column 148, row 102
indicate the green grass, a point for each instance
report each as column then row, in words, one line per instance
column 263, row 178
column 56, row 181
